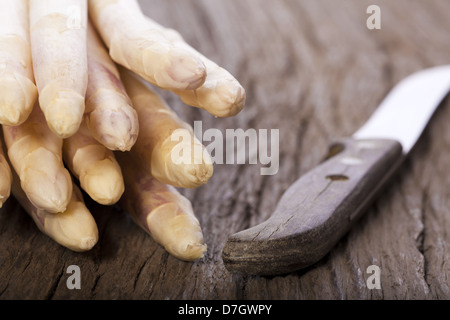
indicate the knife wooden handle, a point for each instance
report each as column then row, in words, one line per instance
column 316, row 211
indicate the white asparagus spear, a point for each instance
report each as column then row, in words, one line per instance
column 183, row 164
column 94, row 165
column 221, row 94
column 35, row 154
column 140, row 44
column 58, row 46
column 143, row 50
column 5, row 175
column 18, row 92
column 75, row 228
column 161, row 211
column 109, row 114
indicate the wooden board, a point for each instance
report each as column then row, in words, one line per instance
column 313, row 70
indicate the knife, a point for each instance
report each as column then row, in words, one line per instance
column 317, row 210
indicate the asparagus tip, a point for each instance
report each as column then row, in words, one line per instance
column 17, row 97
column 185, row 72
column 87, row 243
column 64, row 114
column 231, row 100
column 188, row 251
column 174, row 226
column 189, row 175
column 103, row 182
column 190, row 168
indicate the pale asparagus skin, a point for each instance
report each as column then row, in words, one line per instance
column 18, row 92
column 109, row 114
column 59, row 53
column 221, row 95
column 159, row 145
column 141, row 45
column 145, row 51
column 5, row 175
column 95, row 166
column 161, row 211
column 35, row 154
column 74, row 229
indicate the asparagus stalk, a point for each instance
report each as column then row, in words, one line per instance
column 58, row 46
column 221, row 94
column 157, row 144
column 5, row 176
column 109, row 114
column 18, row 92
column 161, row 211
column 35, row 154
column 147, row 52
column 95, row 166
column 75, row 228
column 143, row 46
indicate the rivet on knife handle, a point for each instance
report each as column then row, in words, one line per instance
column 316, row 211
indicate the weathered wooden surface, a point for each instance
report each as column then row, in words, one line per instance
column 313, row 70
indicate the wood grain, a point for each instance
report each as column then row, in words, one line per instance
column 316, row 211
column 314, row 71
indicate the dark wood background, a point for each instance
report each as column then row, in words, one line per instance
column 313, row 70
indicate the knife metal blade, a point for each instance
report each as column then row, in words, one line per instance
column 406, row 110
column 318, row 209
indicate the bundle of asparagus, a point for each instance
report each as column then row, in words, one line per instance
column 77, row 105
